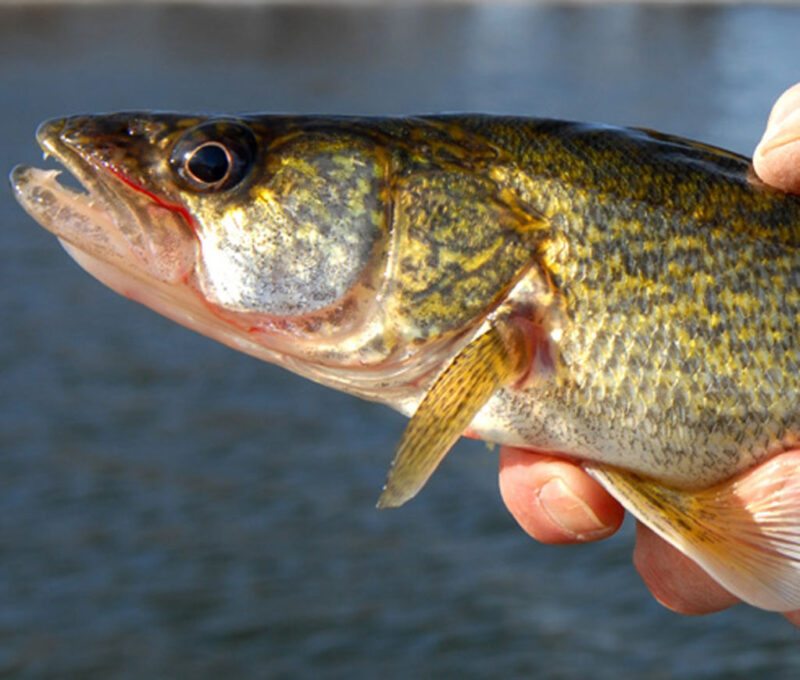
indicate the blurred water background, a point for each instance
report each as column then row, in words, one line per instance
column 171, row 509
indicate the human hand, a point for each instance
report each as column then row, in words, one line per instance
column 556, row 501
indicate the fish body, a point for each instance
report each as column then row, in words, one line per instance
column 619, row 296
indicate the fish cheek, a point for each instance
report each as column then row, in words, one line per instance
column 300, row 239
column 459, row 248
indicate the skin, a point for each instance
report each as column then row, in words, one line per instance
column 556, row 502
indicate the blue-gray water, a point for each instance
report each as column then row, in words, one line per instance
column 170, row 509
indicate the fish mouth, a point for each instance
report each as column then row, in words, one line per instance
column 112, row 221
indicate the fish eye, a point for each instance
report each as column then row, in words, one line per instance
column 214, row 156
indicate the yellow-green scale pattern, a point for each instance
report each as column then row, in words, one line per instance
column 680, row 278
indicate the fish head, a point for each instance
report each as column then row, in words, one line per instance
column 267, row 233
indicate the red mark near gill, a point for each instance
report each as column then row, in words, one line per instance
column 173, row 207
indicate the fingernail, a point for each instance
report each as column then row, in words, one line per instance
column 569, row 513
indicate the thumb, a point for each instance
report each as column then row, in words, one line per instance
column 777, row 157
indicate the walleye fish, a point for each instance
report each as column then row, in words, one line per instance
column 619, row 296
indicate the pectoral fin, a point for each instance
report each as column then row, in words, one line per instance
column 744, row 532
column 456, row 396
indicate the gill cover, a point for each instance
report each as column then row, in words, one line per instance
column 301, row 225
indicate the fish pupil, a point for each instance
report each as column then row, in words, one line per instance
column 209, row 164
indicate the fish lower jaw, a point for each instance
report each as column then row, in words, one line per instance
column 163, row 248
column 73, row 216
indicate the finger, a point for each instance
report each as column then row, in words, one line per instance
column 777, row 157
column 554, row 500
column 675, row 580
